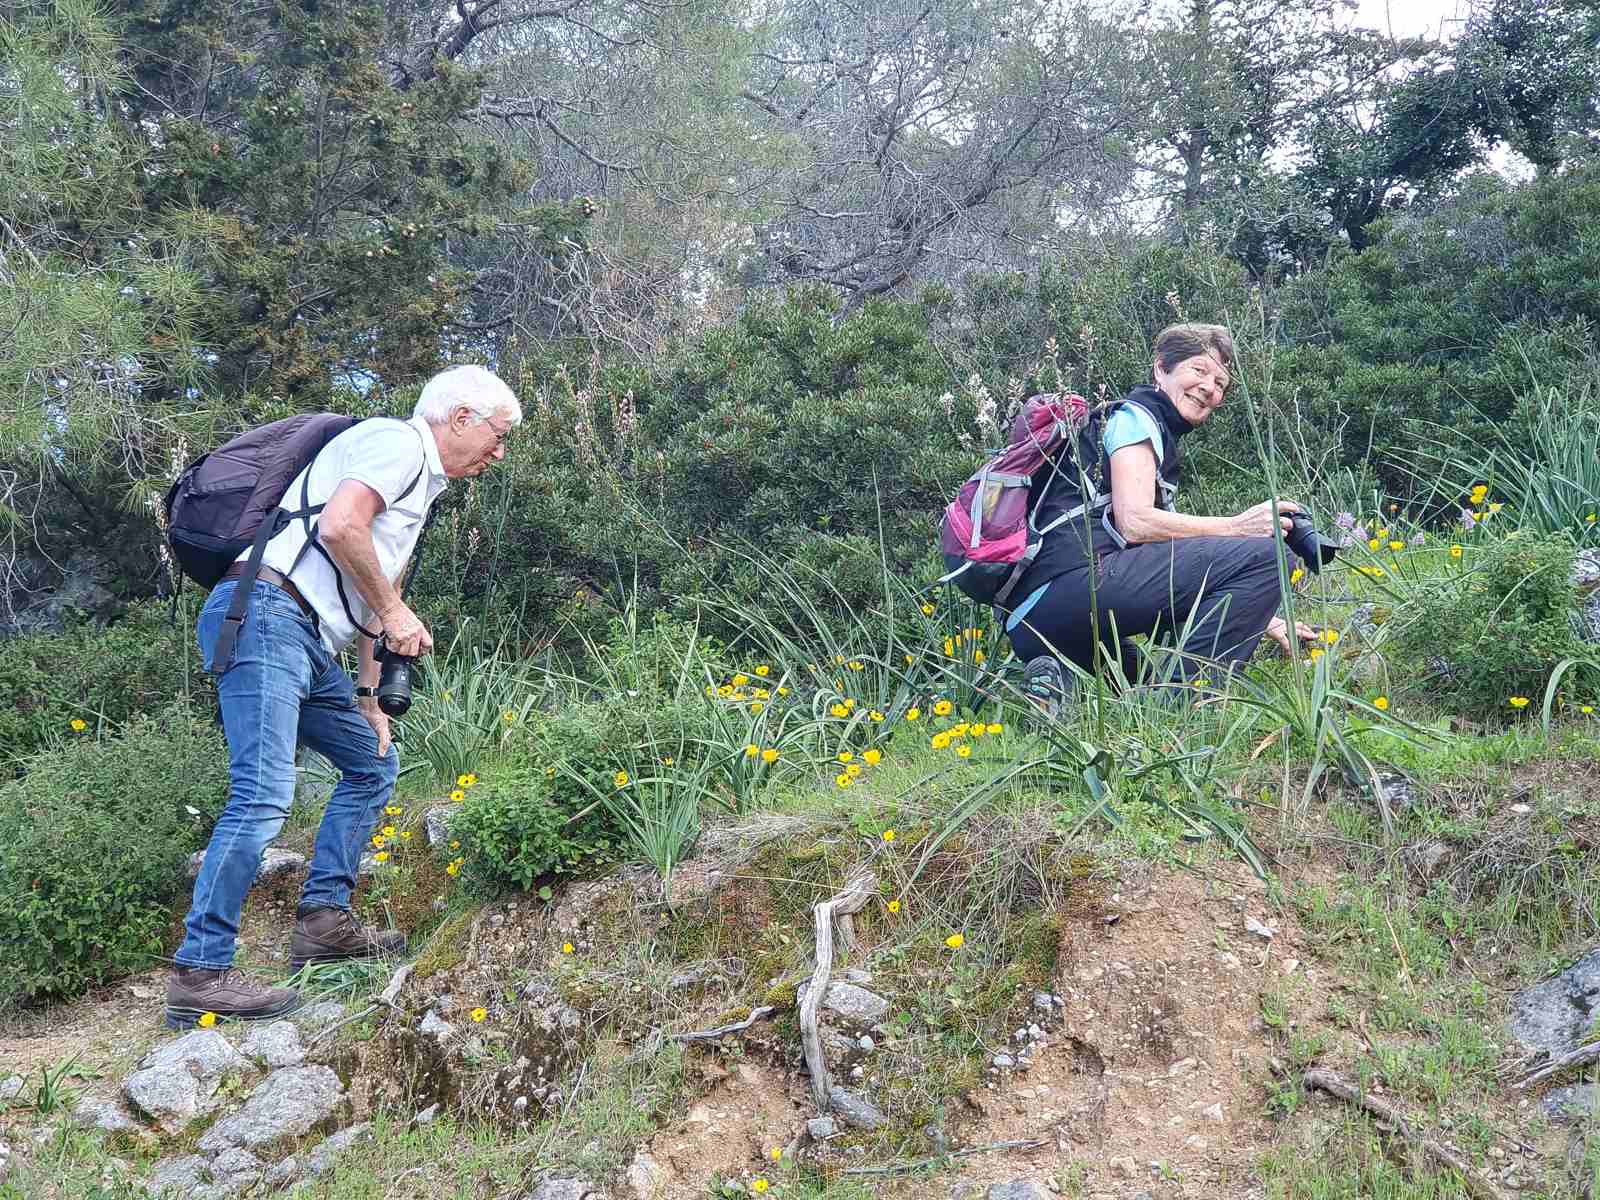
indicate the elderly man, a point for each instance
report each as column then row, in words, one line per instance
column 285, row 684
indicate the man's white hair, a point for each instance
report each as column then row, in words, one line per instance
column 477, row 389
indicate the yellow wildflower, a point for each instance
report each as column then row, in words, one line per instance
column 478, row 1014
column 961, row 729
column 78, row 724
column 1397, row 545
column 995, row 727
column 455, row 845
column 845, row 756
column 857, row 665
column 1296, row 575
column 949, row 647
column 508, row 716
column 761, row 694
column 760, row 1185
column 909, row 660
column 913, row 713
column 762, row 670
column 977, row 730
column 1316, row 653
column 977, row 657
column 740, row 680
column 458, row 795
column 566, row 947
column 888, row 835
column 894, row 906
column 725, row 690
column 1455, row 551
column 939, row 741
column 871, row 757
column 454, row 868
column 667, row 761
column 849, row 701
column 377, row 841
column 1590, row 518
column 388, row 831
column 1587, row 709
column 964, row 751
column 1373, row 543
column 1381, row 703
column 381, row 856
column 942, row 708
column 756, row 706
column 838, row 659
column 853, row 770
column 783, row 691
column 955, row 941
column 1479, row 492
column 1383, row 533
column 1519, row 702
column 874, row 715
column 752, row 750
column 927, row 610
column 463, row 781
column 620, row 779
column 769, row 755
column 839, row 710
column 207, row 1020
column 842, row 779
column 1331, row 636
column 405, row 835
column 392, row 810
column 776, row 1153
column 1494, row 508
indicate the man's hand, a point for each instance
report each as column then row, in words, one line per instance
column 404, row 633
column 1257, row 521
column 1278, row 630
column 378, row 719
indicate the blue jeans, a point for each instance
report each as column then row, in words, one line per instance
column 284, row 688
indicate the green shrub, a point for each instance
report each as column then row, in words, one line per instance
column 101, row 676
column 93, row 841
column 1498, row 627
column 516, row 826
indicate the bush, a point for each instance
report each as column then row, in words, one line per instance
column 101, row 676
column 93, row 842
column 1500, row 628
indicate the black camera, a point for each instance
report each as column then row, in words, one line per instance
column 1309, row 545
column 394, row 679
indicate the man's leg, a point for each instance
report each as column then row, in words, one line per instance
column 330, row 723
column 260, row 698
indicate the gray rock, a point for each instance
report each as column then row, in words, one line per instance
column 1586, row 579
column 289, row 1103
column 427, row 1116
column 11, row 1087
column 176, row 1082
column 280, row 1174
column 176, row 1176
column 275, row 864
column 821, row 1127
column 436, row 824
column 318, row 1015
column 276, row 1044
column 564, row 1189
column 325, row 1153
column 852, row 1003
column 232, row 1164
column 1017, row 1189
column 100, row 1112
column 1555, row 1015
column 1003, row 1062
column 1397, row 790
column 5, row 1161
column 1573, row 1102
column 855, row 1110
column 646, row 1177
column 435, row 1026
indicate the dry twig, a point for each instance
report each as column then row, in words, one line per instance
column 1351, row 1093
column 386, row 999
column 852, row 899
column 711, row 1035
column 1581, row 1057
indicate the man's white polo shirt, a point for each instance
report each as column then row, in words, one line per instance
column 387, row 455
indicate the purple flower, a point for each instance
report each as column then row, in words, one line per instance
column 1468, row 524
column 1417, row 540
column 1345, row 521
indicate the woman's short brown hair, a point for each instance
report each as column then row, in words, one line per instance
column 1176, row 343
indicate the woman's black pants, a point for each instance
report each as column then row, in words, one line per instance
column 1214, row 595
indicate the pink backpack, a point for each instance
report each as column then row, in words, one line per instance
column 988, row 534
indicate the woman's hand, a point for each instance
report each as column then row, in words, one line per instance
column 1257, row 521
column 1278, row 630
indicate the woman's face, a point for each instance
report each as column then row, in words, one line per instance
column 1195, row 386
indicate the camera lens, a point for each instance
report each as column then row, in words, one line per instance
column 394, row 686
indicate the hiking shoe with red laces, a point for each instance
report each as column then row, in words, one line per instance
column 326, row 935
column 228, row 994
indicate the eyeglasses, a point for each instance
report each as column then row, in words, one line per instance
column 500, row 435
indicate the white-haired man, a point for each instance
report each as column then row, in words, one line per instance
column 285, row 685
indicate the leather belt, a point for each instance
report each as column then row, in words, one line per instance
column 278, row 580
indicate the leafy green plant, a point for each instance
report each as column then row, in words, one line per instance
column 522, row 823
column 1497, row 627
column 93, row 842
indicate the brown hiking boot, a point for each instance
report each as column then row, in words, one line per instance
column 326, row 935
column 193, row 992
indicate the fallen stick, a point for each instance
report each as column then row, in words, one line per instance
column 920, row 1164
column 852, row 899
column 1337, row 1085
column 711, row 1035
column 1581, row 1057
column 386, row 999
